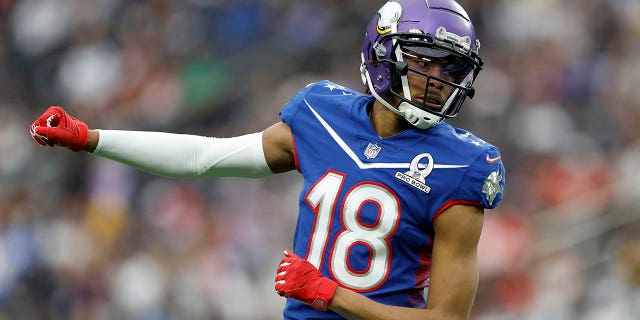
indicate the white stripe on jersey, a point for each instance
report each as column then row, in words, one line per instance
column 378, row 165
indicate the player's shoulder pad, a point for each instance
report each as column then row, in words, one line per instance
column 321, row 94
column 287, row 113
column 486, row 176
column 470, row 139
column 326, row 87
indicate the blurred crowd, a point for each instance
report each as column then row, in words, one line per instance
column 86, row 238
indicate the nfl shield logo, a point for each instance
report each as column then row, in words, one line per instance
column 372, row 150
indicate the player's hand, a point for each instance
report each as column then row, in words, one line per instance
column 298, row 279
column 56, row 127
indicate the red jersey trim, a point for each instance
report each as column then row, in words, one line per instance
column 453, row 203
column 295, row 153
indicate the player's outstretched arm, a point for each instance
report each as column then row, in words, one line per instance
column 168, row 154
column 454, row 277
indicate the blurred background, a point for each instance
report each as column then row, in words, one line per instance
column 86, row 238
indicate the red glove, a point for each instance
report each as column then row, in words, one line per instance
column 56, row 127
column 298, row 279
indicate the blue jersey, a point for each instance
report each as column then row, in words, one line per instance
column 368, row 204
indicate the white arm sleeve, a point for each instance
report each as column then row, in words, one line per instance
column 185, row 156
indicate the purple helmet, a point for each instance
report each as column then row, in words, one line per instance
column 430, row 41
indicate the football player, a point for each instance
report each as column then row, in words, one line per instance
column 393, row 196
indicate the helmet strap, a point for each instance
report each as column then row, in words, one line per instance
column 403, row 78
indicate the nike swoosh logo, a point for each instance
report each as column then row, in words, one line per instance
column 492, row 160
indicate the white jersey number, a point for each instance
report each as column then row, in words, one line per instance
column 322, row 198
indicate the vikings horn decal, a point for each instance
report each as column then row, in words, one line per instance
column 390, row 14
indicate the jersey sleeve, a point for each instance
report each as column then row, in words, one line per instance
column 485, row 179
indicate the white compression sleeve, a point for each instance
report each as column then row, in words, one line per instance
column 185, row 156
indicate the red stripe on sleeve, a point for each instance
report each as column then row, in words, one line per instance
column 453, row 203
